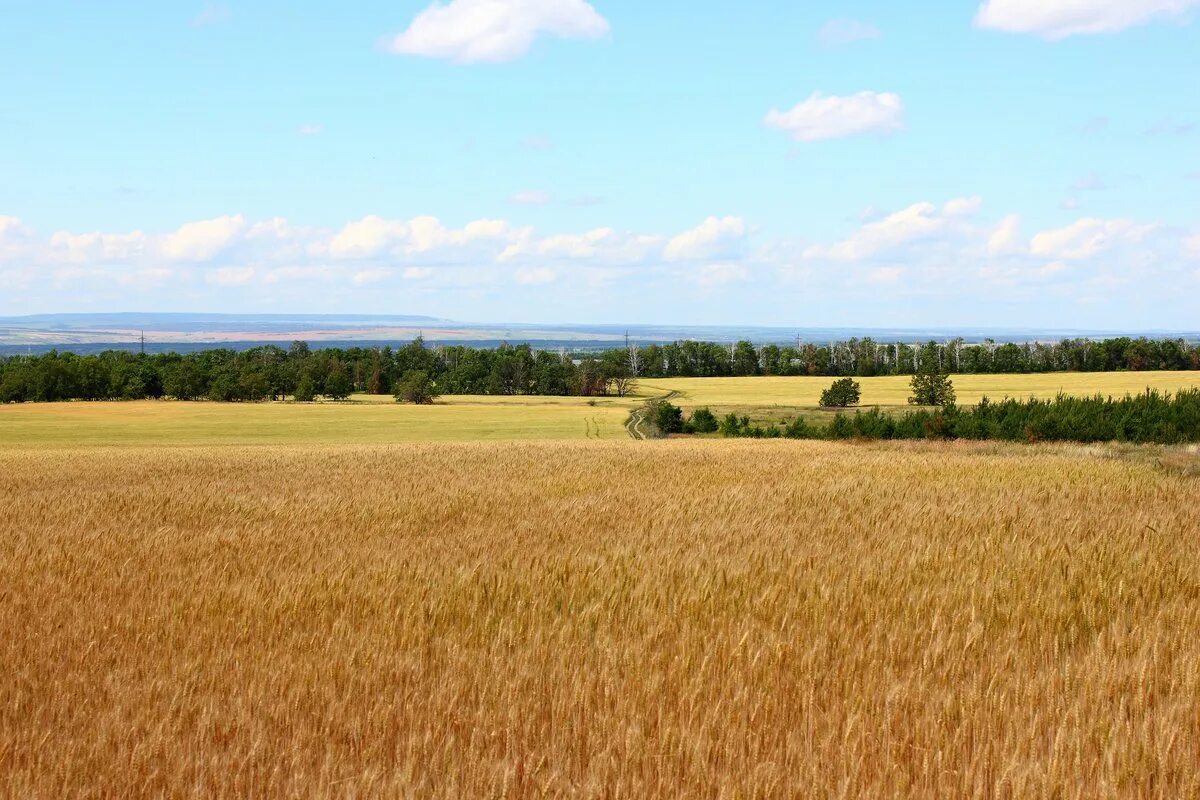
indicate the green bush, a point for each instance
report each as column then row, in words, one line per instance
column 703, row 421
column 666, row 417
column 416, row 387
column 844, row 392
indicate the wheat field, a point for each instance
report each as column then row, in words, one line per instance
column 730, row 619
column 894, row 390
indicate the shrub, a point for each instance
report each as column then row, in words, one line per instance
column 704, row 421
column 844, row 392
column 666, row 417
column 416, row 387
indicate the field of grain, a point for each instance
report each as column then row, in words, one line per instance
column 377, row 419
column 893, row 390
column 589, row 619
column 159, row 422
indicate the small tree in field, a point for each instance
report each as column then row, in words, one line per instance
column 844, row 392
column 932, row 388
column 416, row 387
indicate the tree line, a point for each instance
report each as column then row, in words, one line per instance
column 1150, row 417
column 272, row 372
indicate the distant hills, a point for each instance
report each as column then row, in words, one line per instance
column 90, row 332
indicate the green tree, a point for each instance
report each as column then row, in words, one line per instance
column 844, row 392
column 337, row 382
column 931, row 387
column 305, row 391
column 416, row 387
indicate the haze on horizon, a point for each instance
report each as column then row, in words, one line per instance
column 981, row 163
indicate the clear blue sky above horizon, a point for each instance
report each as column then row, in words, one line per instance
column 1007, row 162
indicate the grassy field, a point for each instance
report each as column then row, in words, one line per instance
column 377, row 419
column 649, row 619
column 176, row 423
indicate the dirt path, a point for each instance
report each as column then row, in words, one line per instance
column 638, row 416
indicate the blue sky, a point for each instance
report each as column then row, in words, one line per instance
column 1009, row 162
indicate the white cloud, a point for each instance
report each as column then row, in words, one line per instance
column 14, row 236
column 230, row 276
column 534, row 276
column 962, row 206
column 599, row 245
column 417, row 273
column 98, row 247
column 918, row 221
column 310, row 129
column 530, row 197
column 832, row 117
column 1058, row 19
column 1087, row 237
column 716, row 237
column 367, row 237
column 1006, row 238
column 469, row 31
column 844, row 31
column 201, row 241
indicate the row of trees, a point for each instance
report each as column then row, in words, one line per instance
column 264, row 373
column 866, row 357
column 274, row 372
column 1150, row 417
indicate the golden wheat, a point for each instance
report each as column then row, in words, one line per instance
column 663, row 619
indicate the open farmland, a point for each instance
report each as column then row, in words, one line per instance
column 378, row 419
column 893, row 390
column 161, row 422
column 654, row 619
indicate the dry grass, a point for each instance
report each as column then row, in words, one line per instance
column 662, row 619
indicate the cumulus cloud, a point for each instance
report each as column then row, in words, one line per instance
column 1087, row 237
column 1058, row 19
column 925, row 249
column 14, row 235
column 1006, row 238
column 470, row 31
column 98, row 247
column 716, row 237
column 201, row 241
column 833, row 117
column 962, row 206
column 918, row 221
column 367, row 237
column 837, row 32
